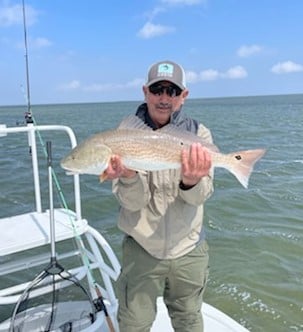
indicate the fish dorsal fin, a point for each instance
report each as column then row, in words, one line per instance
column 133, row 122
column 173, row 130
column 186, row 136
column 183, row 135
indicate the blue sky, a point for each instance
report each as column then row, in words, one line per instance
column 95, row 51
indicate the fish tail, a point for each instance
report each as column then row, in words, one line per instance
column 242, row 164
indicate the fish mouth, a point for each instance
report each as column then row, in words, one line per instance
column 70, row 170
column 65, row 166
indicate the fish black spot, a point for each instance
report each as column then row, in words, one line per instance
column 181, row 143
column 238, row 157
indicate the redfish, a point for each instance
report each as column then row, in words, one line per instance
column 143, row 149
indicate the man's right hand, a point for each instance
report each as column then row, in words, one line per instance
column 116, row 170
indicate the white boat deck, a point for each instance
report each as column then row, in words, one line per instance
column 214, row 320
column 31, row 230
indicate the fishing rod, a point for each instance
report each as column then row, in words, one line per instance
column 28, row 114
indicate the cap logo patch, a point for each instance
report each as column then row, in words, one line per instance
column 165, row 70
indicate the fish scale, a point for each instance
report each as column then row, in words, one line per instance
column 141, row 145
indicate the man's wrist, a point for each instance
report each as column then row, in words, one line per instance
column 183, row 186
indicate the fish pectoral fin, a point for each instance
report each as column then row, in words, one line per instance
column 103, row 177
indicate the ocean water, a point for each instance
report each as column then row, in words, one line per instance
column 255, row 235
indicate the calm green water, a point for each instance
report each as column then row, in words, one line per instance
column 255, row 235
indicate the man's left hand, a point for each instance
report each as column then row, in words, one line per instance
column 196, row 163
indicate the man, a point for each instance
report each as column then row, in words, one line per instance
column 164, row 250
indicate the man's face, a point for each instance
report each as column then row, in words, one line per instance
column 163, row 98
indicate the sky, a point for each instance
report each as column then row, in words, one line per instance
column 100, row 51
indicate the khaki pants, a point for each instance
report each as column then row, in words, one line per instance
column 180, row 281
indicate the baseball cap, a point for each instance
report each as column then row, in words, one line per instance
column 166, row 71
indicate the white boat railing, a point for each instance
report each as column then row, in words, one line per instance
column 32, row 130
column 96, row 260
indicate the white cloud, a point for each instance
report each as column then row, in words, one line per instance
column 155, row 12
column 98, row 87
column 41, row 42
column 191, row 76
column 35, row 43
column 135, row 83
column 287, row 67
column 247, row 51
column 12, row 15
column 95, row 87
column 73, row 85
column 151, row 30
column 237, row 72
column 209, row 75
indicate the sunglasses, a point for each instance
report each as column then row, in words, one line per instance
column 171, row 91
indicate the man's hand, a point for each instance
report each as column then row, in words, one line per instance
column 196, row 163
column 116, row 170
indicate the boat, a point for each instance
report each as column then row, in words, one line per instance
column 27, row 243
